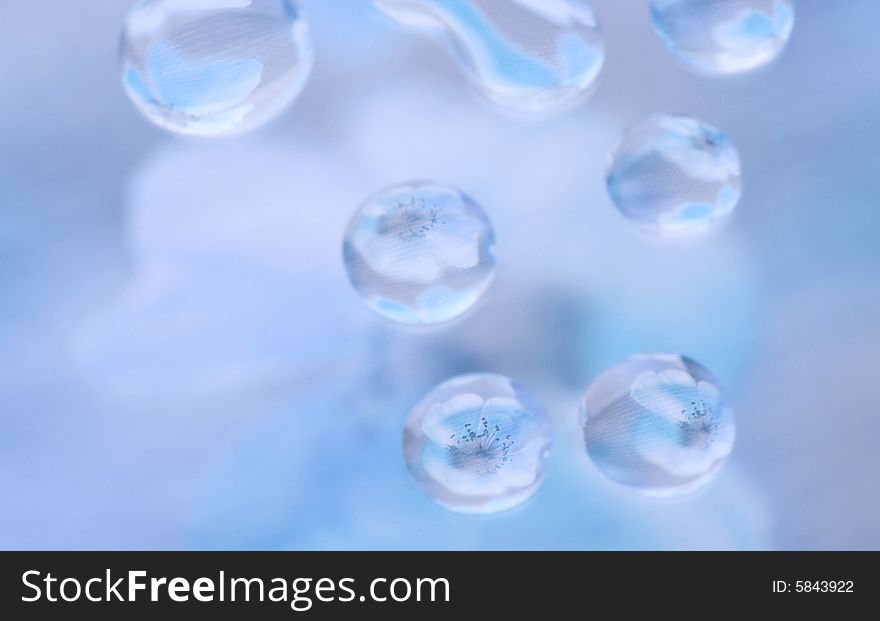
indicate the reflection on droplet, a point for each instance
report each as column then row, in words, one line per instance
column 477, row 444
column 719, row 37
column 420, row 253
column 658, row 423
column 532, row 56
column 674, row 176
column 214, row 67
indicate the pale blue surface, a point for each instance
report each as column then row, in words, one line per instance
column 185, row 364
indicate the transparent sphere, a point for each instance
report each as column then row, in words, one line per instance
column 214, row 67
column 532, row 56
column 675, row 176
column 719, row 37
column 420, row 254
column 658, row 423
column 477, row 444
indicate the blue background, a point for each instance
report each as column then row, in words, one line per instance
column 184, row 364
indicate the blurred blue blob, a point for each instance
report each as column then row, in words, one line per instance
column 477, row 444
column 703, row 298
column 532, row 56
column 420, row 253
column 673, row 175
column 658, row 423
column 230, row 291
column 720, row 37
column 214, row 67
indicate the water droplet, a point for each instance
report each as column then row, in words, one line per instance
column 658, row 423
column 719, row 37
column 532, row 56
column 214, row 67
column 675, row 176
column 420, row 253
column 477, row 444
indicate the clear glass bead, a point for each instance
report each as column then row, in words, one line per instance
column 420, row 253
column 719, row 37
column 658, row 423
column 214, row 67
column 477, row 444
column 532, row 56
column 674, row 176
